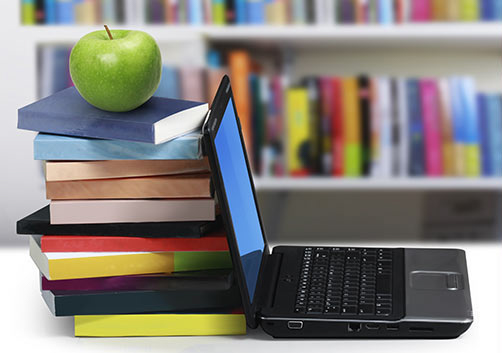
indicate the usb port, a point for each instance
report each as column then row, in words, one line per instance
column 372, row 326
column 392, row 327
column 295, row 325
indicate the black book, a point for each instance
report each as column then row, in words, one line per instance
column 40, row 11
column 70, row 303
column 364, row 107
column 39, row 223
column 120, row 11
column 316, row 133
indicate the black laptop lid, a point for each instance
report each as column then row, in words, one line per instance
column 236, row 195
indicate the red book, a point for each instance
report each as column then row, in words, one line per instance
column 399, row 11
column 337, row 128
column 77, row 243
column 421, row 10
column 432, row 127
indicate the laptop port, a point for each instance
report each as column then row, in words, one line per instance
column 295, row 325
column 354, row 327
column 421, row 329
column 372, row 326
column 392, row 327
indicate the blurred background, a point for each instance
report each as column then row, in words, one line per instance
column 365, row 120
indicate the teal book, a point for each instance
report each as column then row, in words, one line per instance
column 58, row 147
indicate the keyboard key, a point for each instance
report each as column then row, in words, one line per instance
column 349, row 310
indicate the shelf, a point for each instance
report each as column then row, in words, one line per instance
column 463, row 35
column 327, row 183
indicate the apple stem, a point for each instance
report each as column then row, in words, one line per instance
column 109, row 33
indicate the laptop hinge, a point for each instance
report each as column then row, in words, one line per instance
column 268, row 283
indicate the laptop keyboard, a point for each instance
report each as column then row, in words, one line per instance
column 345, row 281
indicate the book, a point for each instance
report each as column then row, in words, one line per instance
column 64, row 12
column 255, row 10
column 495, row 128
column 386, row 12
column 39, row 223
column 416, row 132
column 375, row 125
column 352, row 128
column 385, row 123
column 446, row 128
column 92, row 170
column 189, row 280
column 50, row 12
column 126, row 211
column 28, row 12
column 218, row 10
column 364, row 109
column 71, row 303
column 239, row 64
column 160, row 325
column 315, row 129
column 472, row 162
column 326, row 105
column 66, row 148
column 86, row 243
column 346, row 11
column 298, row 131
column 39, row 11
column 469, row 10
column 337, row 129
column 484, row 135
column 190, row 80
column 70, row 265
column 169, row 86
column 439, row 10
column 149, row 187
column 432, row 127
column 156, row 121
column 458, row 120
column 404, row 138
column 453, row 10
column 421, row 10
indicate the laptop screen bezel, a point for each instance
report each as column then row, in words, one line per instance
column 210, row 129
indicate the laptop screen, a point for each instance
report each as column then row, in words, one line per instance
column 240, row 197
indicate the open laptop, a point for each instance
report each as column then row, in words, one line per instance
column 315, row 292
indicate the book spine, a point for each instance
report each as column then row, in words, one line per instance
column 64, row 12
column 326, row 91
column 160, row 325
column 195, row 12
column 469, row 10
column 421, row 10
column 495, row 128
column 299, row 12
column 315, row 144
column 472, row 147
column 386, row 12
column 346, row 11
column 487, row 10
column 364, row 109
column 416, row 133
column 395, row 131
column 39, row 11
column 497, row 10
column 298, row 131
column 432, row 131
column 219, row 17
column 375, row 128
column 240, row 12
column 385, row 112
column 352, row 128
column 458, row 126
column 404, row 142
column 28, row 12
column 484, row 134
column 446, row 128
column 50, row 12
column 255, row 11
column 337, row 129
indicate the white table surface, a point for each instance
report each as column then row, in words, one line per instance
column 27, row 325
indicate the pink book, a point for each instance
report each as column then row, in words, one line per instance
column 421, row 10
column 432, row 128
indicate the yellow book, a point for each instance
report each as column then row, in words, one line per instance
column 469, row 10
column 70, row 265
column 439, row 10
column 160, row 325
column 453, row 10
column 351, row 127
column 446, row 128
column 472, row 160
column 28, row 12
column 298, row 130
column 458, row 159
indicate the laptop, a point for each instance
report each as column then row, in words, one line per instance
column 327, row 292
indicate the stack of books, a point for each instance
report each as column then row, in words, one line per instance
column 130, row 243
column 257, row 12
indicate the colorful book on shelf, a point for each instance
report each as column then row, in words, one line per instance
column 421, row 10
column 346, row 11
column 71, row 303
column 108, row 11
column 113, row 169
column 189, row 280
column 404, row 137
column 416, row 133
column 459, row 126
column 218, row 11
column 70, row 265
column 445, row 114
column 50, row 12
column 65, row 13
column 439, row 10
column 298, row 131
column 314, row 162
column 453, row 10
column 28, row 12
column 149, row 187
column 191, row 83
column 472, row 145
column 169, row 86
column 157, row 121
column 364, row 109
column 484, row 135
column 386, row 12
column 469, row 10
column 432, row 127
column 352, row 128
column 375, row 123
column 86, row 243
column 337, row 129
column 384, row 168
column 326, row 105
column 127, row 211
column 255, row 11
column 66, row 148
column 497, row 10
column 39, row 223
column 212, row 324
column 495, row 128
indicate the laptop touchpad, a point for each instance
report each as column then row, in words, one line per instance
column 436, row 280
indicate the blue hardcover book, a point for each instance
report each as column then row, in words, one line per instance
column 416, row 129
column 386, row 12
column 169, row 86
column 240, row 12
column 471, row 126
column 156, row 121
column 486, row 11
column 484, row 135
column 50, row 12
column 495, row 129
column 255, row 11
column 458, row 122
column 64, row 12
column 497, row 10
column 195, row 12
column 58, row 147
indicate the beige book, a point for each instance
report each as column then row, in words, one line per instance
column 131, row 211
column 157, row 187
column 78, row 170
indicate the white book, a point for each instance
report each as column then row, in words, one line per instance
column 385, row 107
column 130, row 11
column 404, row 141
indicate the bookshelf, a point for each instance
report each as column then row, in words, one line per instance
column 415, row 49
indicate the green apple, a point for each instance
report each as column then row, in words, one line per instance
column 118, row 71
